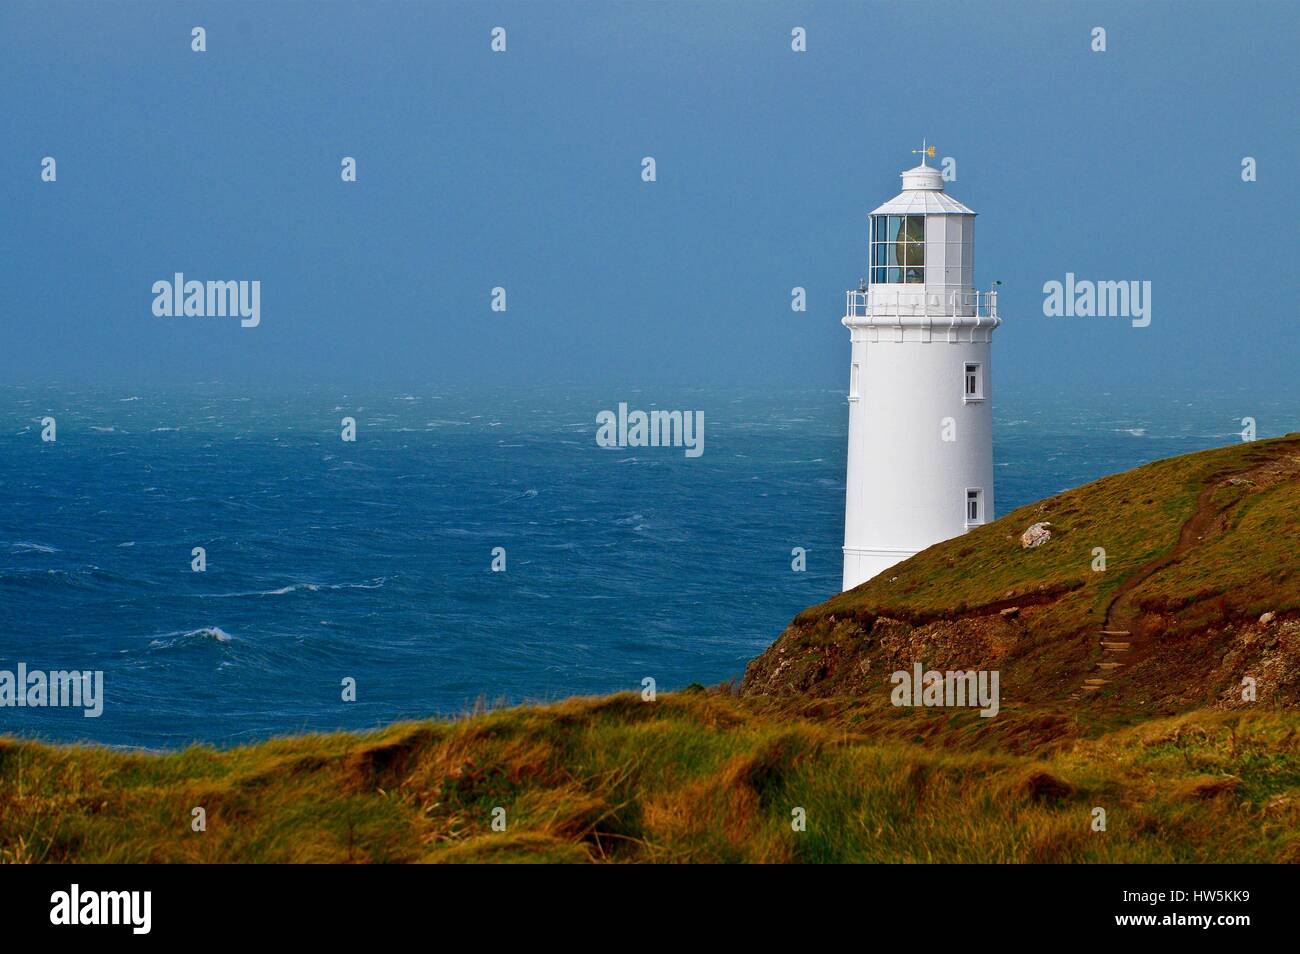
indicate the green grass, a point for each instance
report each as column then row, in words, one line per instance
column 690, row 777
column 1249, row 570
column 1133, row 516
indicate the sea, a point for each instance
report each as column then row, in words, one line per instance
column 350, row 584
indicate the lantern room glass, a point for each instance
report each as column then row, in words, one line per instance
column 897, row 254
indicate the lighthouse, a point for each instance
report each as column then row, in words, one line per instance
column 920, row 461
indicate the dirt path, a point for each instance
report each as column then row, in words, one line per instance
column 1121, row 641
column 1120, row 613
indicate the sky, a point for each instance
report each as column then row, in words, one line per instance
column 523, row 170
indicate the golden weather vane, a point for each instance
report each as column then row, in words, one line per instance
column 924, row 151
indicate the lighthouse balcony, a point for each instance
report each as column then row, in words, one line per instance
column 893, row 301
column 957, row 314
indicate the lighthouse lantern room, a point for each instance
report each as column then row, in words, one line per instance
column 920, row 460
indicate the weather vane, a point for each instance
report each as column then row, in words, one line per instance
column 924, row 151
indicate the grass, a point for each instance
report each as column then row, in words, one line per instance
column 1229, row 581
column 690, row 777
column 1134, row 516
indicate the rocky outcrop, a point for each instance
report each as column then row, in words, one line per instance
column 856, row 656
column 1036, row 535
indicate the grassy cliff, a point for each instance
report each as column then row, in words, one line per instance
column 1197, row 549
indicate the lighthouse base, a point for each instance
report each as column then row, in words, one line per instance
column 862, row 563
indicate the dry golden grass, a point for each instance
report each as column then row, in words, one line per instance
column 689, row 778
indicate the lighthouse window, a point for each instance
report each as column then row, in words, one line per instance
column 974, row 506
column 973, row 388
column 898, row 249
column 911, row 247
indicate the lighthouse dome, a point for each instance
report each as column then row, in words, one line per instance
column 922, row 194
column 923, row 177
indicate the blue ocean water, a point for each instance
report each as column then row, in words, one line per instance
column 371, row 560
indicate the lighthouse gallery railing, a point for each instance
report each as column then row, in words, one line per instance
column 920, row 303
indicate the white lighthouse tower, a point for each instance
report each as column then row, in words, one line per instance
column 920, row 466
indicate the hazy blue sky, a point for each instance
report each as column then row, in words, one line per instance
column 522, row 170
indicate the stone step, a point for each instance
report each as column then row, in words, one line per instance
column 1115, row 647
column 1095, row 682
column 1109, row 665
column 1091, row 688
column 1115, row 632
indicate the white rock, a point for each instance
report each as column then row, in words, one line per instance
column 1036, row 535
column 1267, row 618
